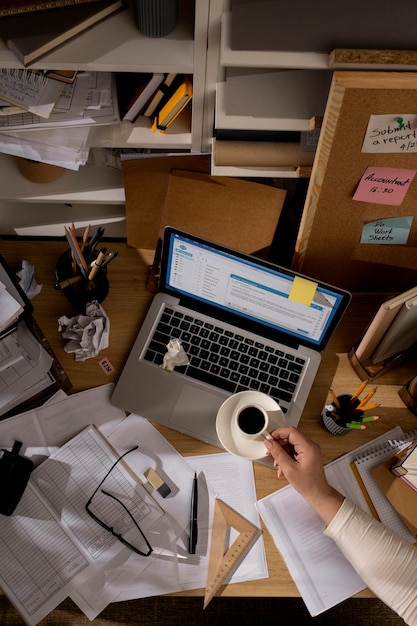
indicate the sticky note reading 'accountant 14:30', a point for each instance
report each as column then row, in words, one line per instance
column 384, row 185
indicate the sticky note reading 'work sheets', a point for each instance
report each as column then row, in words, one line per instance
column 384, row 185
column 390, row 230
column 302, row 291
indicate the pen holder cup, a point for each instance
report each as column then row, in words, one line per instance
column 334, row 418
column 82, row 291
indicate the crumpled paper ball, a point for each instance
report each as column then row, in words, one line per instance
column 27, row 280
column 87, row 334
column 175, row 355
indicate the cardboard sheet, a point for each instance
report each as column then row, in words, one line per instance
column 179, row 191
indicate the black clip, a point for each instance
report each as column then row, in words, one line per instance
column 15, row 471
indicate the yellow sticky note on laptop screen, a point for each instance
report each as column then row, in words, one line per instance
column 302, row 290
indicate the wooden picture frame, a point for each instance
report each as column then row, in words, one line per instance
column 328, row 244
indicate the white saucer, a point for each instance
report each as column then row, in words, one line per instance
column 246, row 448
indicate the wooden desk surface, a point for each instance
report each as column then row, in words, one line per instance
column 126, row 305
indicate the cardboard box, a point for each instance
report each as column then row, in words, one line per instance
column 179, row 191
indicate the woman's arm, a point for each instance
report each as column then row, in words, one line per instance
column 384, row 560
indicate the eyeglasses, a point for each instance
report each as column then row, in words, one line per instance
column 110, row 529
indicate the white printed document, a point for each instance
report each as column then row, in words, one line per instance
column 51, row 542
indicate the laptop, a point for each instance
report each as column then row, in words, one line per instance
column 244, row 324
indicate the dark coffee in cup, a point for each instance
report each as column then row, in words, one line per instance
column 251, row 420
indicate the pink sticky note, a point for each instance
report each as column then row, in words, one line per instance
column 384, row 185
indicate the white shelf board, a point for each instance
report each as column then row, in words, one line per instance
column 25, row 219
column 265, row 58
column 92, row 183
column 259, row 172
column 140, row 134
column 115, row 44
column 177, row 135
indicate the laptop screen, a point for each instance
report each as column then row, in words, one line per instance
column 254, row 290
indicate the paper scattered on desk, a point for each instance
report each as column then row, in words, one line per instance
column 87, row 334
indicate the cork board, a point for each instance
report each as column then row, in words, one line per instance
column 328, row 244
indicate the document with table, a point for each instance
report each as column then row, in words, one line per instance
column 52, row 547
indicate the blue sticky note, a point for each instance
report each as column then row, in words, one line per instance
column 390, row 230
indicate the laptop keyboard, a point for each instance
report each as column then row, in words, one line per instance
column 227, row 359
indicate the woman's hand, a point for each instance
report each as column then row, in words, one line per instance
column 300, row 460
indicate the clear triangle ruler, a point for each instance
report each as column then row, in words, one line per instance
column 222, row 564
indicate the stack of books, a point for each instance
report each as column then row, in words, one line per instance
column 389, row 337
column 159, row 97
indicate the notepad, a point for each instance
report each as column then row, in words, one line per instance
column 30, row 90
column 365, row 463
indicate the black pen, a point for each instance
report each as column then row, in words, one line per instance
column 109, row 257
column 193, row 517
column 95, row 238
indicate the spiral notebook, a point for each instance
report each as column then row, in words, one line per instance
column 362, row 467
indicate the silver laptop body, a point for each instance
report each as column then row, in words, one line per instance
column 243, row 324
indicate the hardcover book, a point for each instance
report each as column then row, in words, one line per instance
column 31, row 35
column 161, row 95
column 134, row 92
column 13, row 7
column 173, row 107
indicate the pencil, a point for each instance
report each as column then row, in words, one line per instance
column 370, row 407
column 72, row 240
column 370, row 418
column 359, row 390
column 85, row 237
column 334, row 399
column 367, row 398
column 354, row 425
column 97, row 264
column 68, row 281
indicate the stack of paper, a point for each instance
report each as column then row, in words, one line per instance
column 10, row 309
column 24, row 369
column 63, row 138
column 97, row 568
column 13, row 302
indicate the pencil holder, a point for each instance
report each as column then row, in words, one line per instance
column 334, row 418
column 82, row 291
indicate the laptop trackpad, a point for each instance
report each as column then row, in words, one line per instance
column 195, row 412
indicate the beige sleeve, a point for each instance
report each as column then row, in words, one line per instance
column 386, row 562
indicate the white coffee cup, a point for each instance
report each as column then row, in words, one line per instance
column 254, row 422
